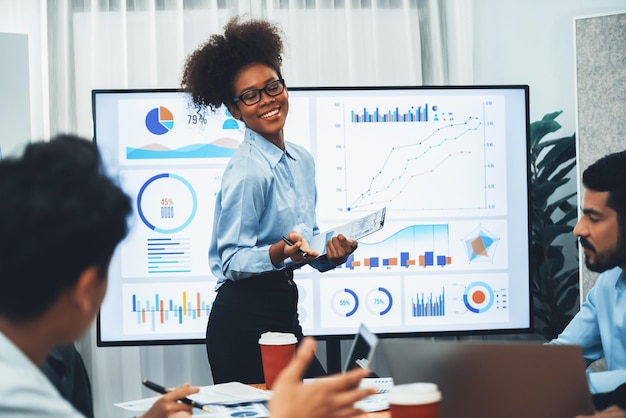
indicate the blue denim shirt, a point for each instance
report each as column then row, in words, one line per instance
column 600, row 329
column 265, row 193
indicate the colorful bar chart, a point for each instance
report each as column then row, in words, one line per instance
column 191, row 307
column 426, row 259
column 428, row 305
column 167, row 307
column 414, row 246
column 419, row 114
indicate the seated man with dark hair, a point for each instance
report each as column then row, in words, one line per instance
column 61, row 219
column 599, row 328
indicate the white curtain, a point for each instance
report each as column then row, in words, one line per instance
column 122, row 44
column 125, row 44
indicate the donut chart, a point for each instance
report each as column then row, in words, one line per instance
column 152, row 186
column 345, row 302
column 478, row 297
column 379, row 301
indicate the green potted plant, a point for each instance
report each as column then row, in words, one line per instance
column 555, row 285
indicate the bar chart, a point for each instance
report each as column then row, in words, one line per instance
column 416, row 246
column 167, row 307
column 468, row 300
column 428, row 304
column 419, row 114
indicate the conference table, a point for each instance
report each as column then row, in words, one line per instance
column 378, row 414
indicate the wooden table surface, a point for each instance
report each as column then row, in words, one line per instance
column 379, row 414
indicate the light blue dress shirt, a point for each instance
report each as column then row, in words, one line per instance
column 600, row 329
column 25, row 392
column 265, row 193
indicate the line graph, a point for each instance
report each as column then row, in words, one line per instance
column 443, row 169
column 451, row 161
column 405, row 164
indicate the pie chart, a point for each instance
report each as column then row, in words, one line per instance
column 160, row 120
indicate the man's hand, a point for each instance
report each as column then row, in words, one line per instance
column 167, row 406
column 610, row 412
column 331, row 397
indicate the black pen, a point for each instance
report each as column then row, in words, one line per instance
column 290, row 243
column 163, row 390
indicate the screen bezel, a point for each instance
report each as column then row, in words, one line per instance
column 330, row 337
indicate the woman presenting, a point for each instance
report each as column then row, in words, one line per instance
column 268, row 191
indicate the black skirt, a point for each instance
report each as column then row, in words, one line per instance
column 242, row 311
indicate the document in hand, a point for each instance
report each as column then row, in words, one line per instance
column 231, row 393
column 355, row 230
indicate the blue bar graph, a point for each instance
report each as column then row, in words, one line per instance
column 428, row 305
column 419, row 114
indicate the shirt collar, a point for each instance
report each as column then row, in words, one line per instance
column 13, row 353
column 269, row 150
column 620, row 284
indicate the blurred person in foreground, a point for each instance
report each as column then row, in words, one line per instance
column 61, row 219
column 65, row 368
column 329, row 397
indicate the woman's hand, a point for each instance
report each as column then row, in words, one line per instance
column 339, row 248
column 299, row 251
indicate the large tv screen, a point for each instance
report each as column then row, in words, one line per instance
column 449, row 164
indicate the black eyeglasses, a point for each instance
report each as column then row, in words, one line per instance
column 253, row 96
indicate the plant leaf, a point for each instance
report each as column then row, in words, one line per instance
column 553, row 212
column 541, row 128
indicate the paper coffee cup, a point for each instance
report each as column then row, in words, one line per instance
column 414, row 400
column 277, row 350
